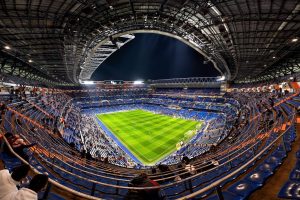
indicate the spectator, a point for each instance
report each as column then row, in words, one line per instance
column 178, row 178
column 38, row 183
column 9, row 182
column 153, row 170
column 3, row 109
column 147, row 194
column 18, row 145
column 163, row 168
column 190, row 168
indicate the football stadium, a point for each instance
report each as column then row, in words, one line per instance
column 149, row 100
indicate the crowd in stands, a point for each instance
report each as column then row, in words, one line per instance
column 219, row 112
column 100, row 145
column 55, row 102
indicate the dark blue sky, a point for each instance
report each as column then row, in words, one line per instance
column 153, row 56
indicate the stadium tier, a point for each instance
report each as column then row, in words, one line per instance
column 97, row 143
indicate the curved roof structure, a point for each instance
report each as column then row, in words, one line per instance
column 243, row 38
column 100, row 52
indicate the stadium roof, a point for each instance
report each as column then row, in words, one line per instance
column 245, row 39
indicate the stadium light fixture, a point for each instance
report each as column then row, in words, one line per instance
column 30, row 60
column 10, row 84
column 295, row 40
column 86, row 82
column 222, row 78
column 138, row 82
column 7, row 47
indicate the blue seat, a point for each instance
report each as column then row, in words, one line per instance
column 231, row 178
column 204, row 194
column 10, row 161
column 228, row 180
column 288, row 146
column 108, row 196
column 237, row 162
column 273, row 160
column 227, row 196
column 290, row 190
column 51, row 196
column 267, row 167
column 110, row 181
column 297, row 166
column 105, row 189
column 258, row 177
column 295, row 175
column 298, row 154
column 204, row 178
column 243, row 188
column 175, row 189
column 223, row 169
column 279, row 154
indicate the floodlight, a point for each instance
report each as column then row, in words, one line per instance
column 87, row 82
column 10, row 84
column 222, row 78
column 138, row 82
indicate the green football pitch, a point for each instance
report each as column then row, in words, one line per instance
column 149, row 136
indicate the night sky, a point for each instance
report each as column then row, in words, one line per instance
column 153, row 56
